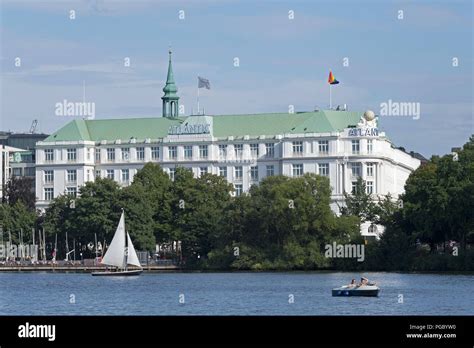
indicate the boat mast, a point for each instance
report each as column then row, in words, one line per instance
column 33, row 256
column 67, row 249
column 95, row 239
column 125, row 245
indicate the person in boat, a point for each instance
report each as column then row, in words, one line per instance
column 363, row 281
column 353, row 283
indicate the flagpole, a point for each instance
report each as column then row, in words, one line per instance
column 198, row 100
column 330, row 98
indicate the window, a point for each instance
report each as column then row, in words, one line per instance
column 111, row 155
column 370, row 146
column 270, row 149
column 188, row 152
column 172, row 152
column 48, row 176
column 297, row 147
column 172, row 173
column 270, row 170
column 373, row 229
column 238, row 173
column 110, row 174
column 356, row 169
column 29, row 171
column 369, row 185
column 254, row 150
column 48, row 193
column 323, row 147
column 49, row 155
column 140, row 153
column 297, row 170
column 97, row 173
column 125, row 154
column 88, row 175
column 238, row 149
column 238, row 189
column 354, row 187
column 155, row 153
column 203, row 151
column 202, row 170
column 89, row 154
column 97, row 155
column 323, row 169
column 17, row 172
column 71, row 191
column 355, row 147
column 125, row 175
column 71, row 175
column 254, row 173
column 223, row 172
column 370, row 169
column 71, row 155
column 222, row 151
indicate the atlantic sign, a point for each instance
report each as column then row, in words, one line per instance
column 364, row 132
column 203, row 128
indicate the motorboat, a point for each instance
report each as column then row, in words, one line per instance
column 369, row 289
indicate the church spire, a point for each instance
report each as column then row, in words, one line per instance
column 170, row 98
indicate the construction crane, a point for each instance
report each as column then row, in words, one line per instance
column 34, row 124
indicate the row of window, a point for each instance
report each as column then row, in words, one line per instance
column 369, row 187
column 49, row 192
column 155, row 152
column 356, row 169
column 297, row 170
column 323, row 147
column 323, row 169
column 238, row 172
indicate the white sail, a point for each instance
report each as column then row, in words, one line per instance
column 116, row 251
column 132, row 258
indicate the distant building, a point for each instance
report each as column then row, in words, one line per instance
column 17, row 154
column 244, row 149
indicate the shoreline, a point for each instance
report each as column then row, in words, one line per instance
column 177, row 269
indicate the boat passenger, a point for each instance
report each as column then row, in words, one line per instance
column 363, row 281
column 353, row 283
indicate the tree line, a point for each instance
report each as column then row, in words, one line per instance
column 282, row 223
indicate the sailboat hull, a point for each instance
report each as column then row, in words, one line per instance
column 134, row 272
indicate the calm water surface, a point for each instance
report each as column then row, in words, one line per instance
column 232, row 294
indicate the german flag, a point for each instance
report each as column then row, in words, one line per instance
column 332, row 80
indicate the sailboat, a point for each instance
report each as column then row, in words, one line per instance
column 120, row 254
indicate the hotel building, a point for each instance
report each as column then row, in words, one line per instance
column 244, row 149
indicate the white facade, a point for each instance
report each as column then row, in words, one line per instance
column 62, row 167
column 11, row 165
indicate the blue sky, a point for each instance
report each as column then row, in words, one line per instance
column 282, row 62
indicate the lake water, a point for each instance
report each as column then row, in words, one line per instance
column 232, row 294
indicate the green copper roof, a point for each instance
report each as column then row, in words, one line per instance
column 222, row 126
column 170, row 88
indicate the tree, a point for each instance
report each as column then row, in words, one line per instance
column 20, row 189
column 15, row 218
column 359, row 203
column 155, row 186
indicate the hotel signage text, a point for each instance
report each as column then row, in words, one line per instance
column 363, row 132
column 203, row 128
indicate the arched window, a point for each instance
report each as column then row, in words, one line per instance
column 373, row 229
